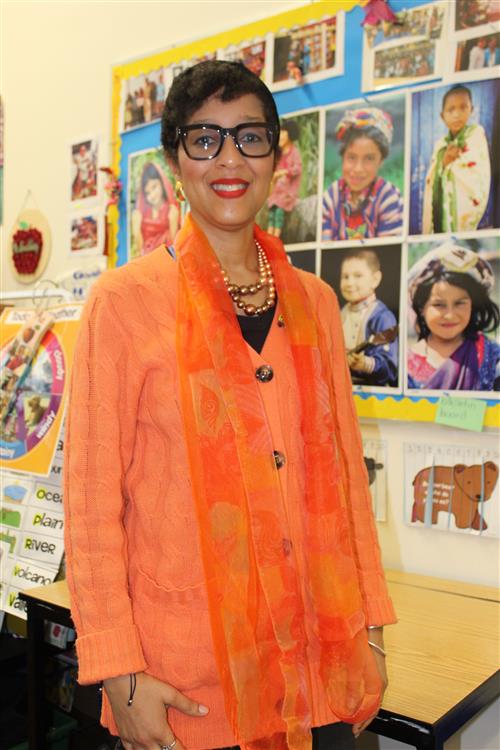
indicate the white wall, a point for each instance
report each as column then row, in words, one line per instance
column 56, row 85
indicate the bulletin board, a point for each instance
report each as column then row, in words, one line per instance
column 404, row 70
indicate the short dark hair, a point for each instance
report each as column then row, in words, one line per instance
column 374, row 134
column 192, row 87
column 485, row 315
column 369, row 256
column 457, row 89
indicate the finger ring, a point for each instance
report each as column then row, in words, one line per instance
column 170, row 746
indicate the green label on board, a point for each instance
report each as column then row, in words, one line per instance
column 465, row 413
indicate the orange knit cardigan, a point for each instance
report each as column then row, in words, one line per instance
column 134, row 568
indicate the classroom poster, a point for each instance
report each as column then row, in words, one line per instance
column 453, row 488
column 323, row 96
column 31, row 531
column 30, row 428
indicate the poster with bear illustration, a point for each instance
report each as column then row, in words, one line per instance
column 453, row 488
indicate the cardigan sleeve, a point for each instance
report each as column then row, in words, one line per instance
column 99, row 440
column 377, row 604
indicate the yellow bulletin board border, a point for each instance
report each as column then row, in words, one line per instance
column 376, row 406
column 418, row 409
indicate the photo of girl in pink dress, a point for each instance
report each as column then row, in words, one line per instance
column 155, row 218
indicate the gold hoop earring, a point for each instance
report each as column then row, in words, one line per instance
column 179, row 191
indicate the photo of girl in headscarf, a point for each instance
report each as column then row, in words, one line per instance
column 361, row 203
column 452, row 310
column 155, row 217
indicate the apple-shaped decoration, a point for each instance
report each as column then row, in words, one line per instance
column 30, row 243
column 27, row 244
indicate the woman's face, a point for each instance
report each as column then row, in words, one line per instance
column 153, row 192
column 226, row 192
column 448, row 310
column 360, row 163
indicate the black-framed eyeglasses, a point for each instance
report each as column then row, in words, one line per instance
column 205, row 141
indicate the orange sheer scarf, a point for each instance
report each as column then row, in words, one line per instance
column 255, row 600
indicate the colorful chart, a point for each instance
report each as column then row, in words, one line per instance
column 38, row 401
column 29, row 431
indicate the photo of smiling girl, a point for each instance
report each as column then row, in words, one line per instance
column 364, row 165
column 454, row 317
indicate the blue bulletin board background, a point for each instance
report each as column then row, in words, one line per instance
column 338, row 88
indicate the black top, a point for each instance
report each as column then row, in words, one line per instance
column 254, row 328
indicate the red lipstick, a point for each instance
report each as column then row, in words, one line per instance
column 229, row 188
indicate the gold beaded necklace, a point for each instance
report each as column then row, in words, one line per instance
column 266, row 279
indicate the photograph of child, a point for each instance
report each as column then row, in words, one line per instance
column 367, row 283
column 84, row 169
column 398, row 66
column 305, row 50
column 252, row 56
column 425, row 20
column 451, row 188
column 471, row 13
column 86, row 234
column 364, row 171
column 453, row 316
column 285, row 184
column 153, row 210
column 291, row 208
column 478, row 53
column 144, row 98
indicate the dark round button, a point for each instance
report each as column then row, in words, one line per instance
column 264, row 373
column 279, row 459
column 281, row 321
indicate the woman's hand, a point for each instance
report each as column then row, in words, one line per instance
column 144, row 725
column 376, row 635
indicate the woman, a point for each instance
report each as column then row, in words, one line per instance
column 285, row 183
column 362, row 204
column 449, row 291
column 214, row 562
column 156, row 219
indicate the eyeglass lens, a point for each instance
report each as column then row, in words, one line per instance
column 204, row 142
